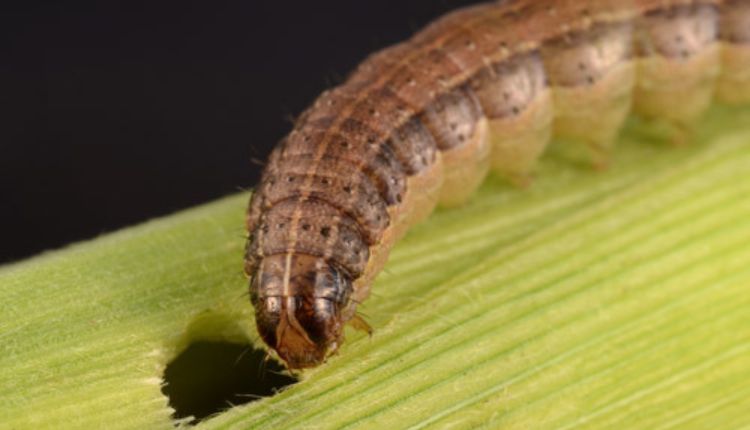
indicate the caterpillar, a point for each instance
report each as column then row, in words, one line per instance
column 421, row 123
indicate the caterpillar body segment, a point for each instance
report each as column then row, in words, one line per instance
column 733, row 86
column 592, row 74
column 421, row 123
column 678, row 64
column 517, row 102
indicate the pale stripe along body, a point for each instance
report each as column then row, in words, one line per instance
column 422, row 122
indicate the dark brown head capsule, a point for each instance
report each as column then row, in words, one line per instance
column 299, row 301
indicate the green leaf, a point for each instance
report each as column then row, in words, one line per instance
column 592, row 299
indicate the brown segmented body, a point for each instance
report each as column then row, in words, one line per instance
column 422, row 122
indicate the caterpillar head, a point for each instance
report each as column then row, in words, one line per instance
column 299, row 301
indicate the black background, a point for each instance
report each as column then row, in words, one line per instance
column 114, row 112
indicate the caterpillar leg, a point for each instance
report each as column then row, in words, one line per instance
column 518, row 103
column 460, row 131
column 517, row 142
column 593, row 115
column 678, row 67
column 416, row 147
column 733, row 86
column 593, row 78
column 358, row 323
column 465, row 167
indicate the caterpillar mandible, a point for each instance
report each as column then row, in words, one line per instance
column 421, row 123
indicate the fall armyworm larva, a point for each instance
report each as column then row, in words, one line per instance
column 422, row 122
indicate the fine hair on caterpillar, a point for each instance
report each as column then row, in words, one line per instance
column 421, row 123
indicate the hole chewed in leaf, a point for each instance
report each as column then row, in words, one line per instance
column 212, row 376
